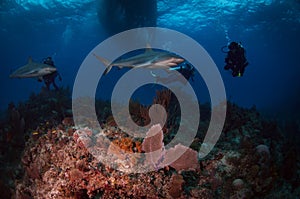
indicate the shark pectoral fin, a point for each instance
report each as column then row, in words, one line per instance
column 120, row 67
column 162, row 65
column 40, row 78
column 172, row 64
column 107, row 69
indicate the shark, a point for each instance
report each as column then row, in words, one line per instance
column 33, row 70
column 149, row 59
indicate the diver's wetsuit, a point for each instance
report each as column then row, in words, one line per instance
column 187, row 71
column 236, row 60
column 50, row 78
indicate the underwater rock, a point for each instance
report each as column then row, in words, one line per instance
column 263, row 154
column 263, row 150
column 175, row 186
column 238, row 183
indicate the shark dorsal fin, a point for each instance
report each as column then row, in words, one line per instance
column 30, row 60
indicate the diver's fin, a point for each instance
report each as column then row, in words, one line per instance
column 105, row 62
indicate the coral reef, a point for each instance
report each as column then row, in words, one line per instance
column 72, row 172
column 17, row 126
column 252, row 159
column 159, row 157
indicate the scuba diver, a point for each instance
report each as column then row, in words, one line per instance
column 235, row 60
column 50, row 78
column 186, row 70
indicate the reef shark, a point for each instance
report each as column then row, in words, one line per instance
column 148, row 59
column 33, row 70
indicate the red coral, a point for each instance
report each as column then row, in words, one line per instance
column 163, row 97
column 187, row 161
column 153, row 144
column 153, row 140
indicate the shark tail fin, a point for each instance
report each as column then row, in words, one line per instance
column 105, row 62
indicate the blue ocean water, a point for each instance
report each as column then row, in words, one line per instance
column 69, row 30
